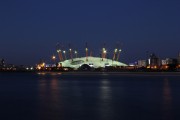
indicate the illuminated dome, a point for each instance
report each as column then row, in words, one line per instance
column 94, row 62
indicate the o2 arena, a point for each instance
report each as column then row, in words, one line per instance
column 88, row 60
column 95, row 62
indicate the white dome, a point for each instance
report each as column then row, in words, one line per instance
column 95, row 62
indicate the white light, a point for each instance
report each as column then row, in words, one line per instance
column 58, row 50
column 91, row 65
column 149, row 61
column 53, row 57
column 115, row 50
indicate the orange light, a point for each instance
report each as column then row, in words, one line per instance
column 53, row 57
column 42, row 65
column 38, row 67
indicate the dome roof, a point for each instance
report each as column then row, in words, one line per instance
column 95, row 62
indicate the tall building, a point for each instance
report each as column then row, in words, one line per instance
column 171, row 61
column 153, row 61
column 141, row 63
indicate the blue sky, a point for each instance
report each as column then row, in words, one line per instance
column 30, row 30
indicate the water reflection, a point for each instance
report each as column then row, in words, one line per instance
column 76, row 98
column 49, row 101
column 54, row 89
column 105, row 100
column 49, row 73
column 167, row 101
column 59, row 99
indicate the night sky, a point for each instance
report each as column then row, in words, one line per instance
column 30, row 29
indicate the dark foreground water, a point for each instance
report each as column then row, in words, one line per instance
column 56, row 96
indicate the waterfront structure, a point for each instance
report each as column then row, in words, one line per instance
column 95, row 62
column 153, row 62
column 141, row 63
column 68, row 60
column 171, row 61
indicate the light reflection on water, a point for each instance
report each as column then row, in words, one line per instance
column 56, row 96
column 49, row 100
column 167, row 101
column 103, row 97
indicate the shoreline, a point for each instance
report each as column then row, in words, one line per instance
column 166, row 73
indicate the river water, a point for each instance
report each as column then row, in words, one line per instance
column 89, row 96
